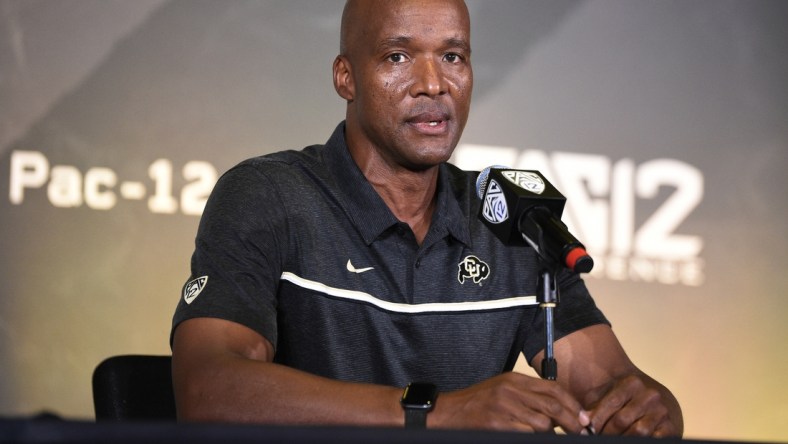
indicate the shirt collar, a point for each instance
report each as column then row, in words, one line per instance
column 366, row 208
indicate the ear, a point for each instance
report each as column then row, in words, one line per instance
column 343, row 78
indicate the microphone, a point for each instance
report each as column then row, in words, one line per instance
column 523, row 207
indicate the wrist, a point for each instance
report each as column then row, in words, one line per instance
column 417, row 401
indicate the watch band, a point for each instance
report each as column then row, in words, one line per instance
column 416, row 418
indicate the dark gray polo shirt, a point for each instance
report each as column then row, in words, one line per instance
column 299, row 247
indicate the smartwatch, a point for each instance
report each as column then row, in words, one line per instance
column 417, row 400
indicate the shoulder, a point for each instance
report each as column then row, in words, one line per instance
column 274, row 171
column 280, row 162
column 264, row 183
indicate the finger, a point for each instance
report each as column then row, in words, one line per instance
column 537, row 403
column 535, row 421
column 518, row 413
column 644, row 419
column 632, row 422
column 560, row 407
column 609, row 405
column 631, row 409
column 666, row 429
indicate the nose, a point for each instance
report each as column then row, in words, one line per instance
column 428, row 78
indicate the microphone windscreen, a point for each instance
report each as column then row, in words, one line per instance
column 484, row 176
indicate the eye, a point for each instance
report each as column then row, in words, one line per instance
column 396, row 57
column 453, row 58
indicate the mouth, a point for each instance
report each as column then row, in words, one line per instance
column 432, row 123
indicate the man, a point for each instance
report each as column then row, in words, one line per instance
column 276, row 327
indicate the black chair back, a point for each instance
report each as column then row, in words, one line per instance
column 134, row 387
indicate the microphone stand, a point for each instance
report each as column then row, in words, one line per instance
column 548, row 299
column 533, row 226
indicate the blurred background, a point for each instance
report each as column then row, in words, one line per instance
column 664, row 122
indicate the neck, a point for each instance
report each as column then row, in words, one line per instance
column 411, row 198
column 410, row 195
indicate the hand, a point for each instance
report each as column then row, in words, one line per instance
column 510, row 401
column 635, row 405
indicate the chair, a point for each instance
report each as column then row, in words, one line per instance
column 134, row 387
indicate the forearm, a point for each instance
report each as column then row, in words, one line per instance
column 621, row 398
column 237, row 389
column 223, row 372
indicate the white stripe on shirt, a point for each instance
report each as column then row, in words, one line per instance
column 517, row 301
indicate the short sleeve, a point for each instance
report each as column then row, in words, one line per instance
column 239, row 249
column 576, row 310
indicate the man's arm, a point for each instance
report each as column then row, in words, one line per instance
column 223, row 372
column 621, row 399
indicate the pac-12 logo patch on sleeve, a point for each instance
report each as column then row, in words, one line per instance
column 193, row 289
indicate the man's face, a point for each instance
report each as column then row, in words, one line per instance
column 412, row 80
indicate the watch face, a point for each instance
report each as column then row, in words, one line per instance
column 419, row 395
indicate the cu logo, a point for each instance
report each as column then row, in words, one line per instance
column 473, row 268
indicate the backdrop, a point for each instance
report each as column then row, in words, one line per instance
column 663, row 122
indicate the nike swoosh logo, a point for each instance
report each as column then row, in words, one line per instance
column 353, row 269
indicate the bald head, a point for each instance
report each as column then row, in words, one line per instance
column 361, row 17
